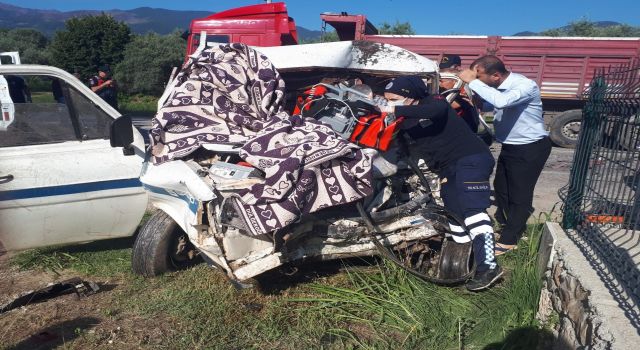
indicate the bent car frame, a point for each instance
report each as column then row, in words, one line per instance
column 197, row 191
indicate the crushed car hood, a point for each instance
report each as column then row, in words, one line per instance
column 353, row 55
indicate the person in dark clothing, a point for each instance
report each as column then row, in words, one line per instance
column 452, row 151
column 450, row 63
column 103, row 85
column 18, row 89
column 462, row 103
column 56, row 89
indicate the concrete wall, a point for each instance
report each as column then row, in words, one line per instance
column 576, row 302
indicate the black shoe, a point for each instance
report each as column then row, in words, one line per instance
column 483, row 280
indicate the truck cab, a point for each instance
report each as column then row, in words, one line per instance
column 255, row 25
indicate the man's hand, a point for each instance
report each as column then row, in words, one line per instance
column 467, row 75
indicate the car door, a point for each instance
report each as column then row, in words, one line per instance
column 60, row 180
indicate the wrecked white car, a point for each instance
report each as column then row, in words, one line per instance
column 262, row 158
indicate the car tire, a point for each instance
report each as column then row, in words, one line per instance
column 563, row 128
column 161, row 246
column 456, row 260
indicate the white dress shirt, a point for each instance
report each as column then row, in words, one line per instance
column 517, row 116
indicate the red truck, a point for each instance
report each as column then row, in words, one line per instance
column 562, row 67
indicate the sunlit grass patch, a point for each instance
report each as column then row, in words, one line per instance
column 138, row 104
column 398, row 310
column 101, row 258
column 375, row 306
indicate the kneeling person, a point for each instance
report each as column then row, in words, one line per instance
column 453, row 152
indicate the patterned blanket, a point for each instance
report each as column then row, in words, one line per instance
column 231, row 94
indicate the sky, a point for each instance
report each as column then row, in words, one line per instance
column 479, row 17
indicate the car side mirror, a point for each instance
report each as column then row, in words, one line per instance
column 121, row 134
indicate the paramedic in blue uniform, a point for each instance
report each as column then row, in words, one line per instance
column 453, row 151
column 519, row 127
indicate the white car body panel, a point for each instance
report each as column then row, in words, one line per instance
column 67, row 192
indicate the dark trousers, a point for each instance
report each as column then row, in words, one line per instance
column 466, row 194
column 519, row 167
column 467, row 189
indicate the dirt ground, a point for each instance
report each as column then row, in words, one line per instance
column 57, row 322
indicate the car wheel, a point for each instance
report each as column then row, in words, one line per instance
column 565, row 128
column 161, row 246
column 456, row 260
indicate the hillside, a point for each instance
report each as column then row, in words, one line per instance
column 140, row 20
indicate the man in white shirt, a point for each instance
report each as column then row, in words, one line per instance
column 519, row 127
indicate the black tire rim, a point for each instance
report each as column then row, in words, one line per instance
column 181, row 251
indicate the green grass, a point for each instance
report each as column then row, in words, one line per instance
column 42, row 97
column 138, row 104
column 210, row 313
column 101, row 258
column 399, row 310
column 379, row 307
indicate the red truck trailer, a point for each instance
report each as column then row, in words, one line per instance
column 562, row 66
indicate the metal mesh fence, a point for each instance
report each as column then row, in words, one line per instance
column 602, row 199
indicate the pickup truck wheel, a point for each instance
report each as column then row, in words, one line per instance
column 161, row 246
column 565, row 128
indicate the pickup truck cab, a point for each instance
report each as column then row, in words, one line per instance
column 69, row 162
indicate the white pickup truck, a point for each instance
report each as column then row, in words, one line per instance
column 69, row 162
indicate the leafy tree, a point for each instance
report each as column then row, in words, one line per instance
column 30, row 43
column 623, row 30
column 326, row 37
column 329, row 36
column 88, row 42
column 398, row 28
column 587, row 28
column 148, row 60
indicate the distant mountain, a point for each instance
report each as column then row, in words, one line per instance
column 140, row 20
column 526, row 33
column 599, row 24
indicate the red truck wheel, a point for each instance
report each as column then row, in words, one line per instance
column 565, row 128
